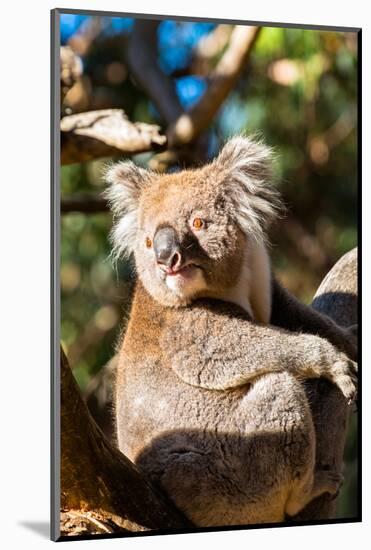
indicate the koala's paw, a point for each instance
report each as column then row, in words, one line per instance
column 344, row 374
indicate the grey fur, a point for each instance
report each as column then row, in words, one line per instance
column 208, row 401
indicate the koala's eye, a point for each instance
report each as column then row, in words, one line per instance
column 148, row 242
column 198, row 223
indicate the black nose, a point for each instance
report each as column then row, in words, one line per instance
column 167, row 248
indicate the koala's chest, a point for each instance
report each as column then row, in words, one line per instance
column 151, row 400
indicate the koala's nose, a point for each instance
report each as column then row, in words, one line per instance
column 167, row 248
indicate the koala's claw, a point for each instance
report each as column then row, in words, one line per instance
column 344, row 375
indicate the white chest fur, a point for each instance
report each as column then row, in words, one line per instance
column 253, row 290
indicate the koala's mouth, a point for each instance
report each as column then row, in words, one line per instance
column 183, row 271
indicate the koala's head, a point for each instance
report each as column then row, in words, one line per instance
column 189, row 231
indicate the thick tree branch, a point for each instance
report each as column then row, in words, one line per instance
column 101, row 490
column 106, row 133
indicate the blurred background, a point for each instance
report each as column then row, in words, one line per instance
column 296, row 88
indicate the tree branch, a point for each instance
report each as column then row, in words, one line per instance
column 211, row 45
column 106, row 133
column 142, row 59
column 221, row 81
column 89, row 204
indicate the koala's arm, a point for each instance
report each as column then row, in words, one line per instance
column 214, row 345
column 292, row 315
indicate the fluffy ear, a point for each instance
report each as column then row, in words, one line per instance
column 126, row 182
column 246, row 165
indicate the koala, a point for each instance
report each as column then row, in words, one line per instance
column 209, row 400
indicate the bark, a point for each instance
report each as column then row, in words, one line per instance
column 101, row 490
column 337, row 298
column 106, row 133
